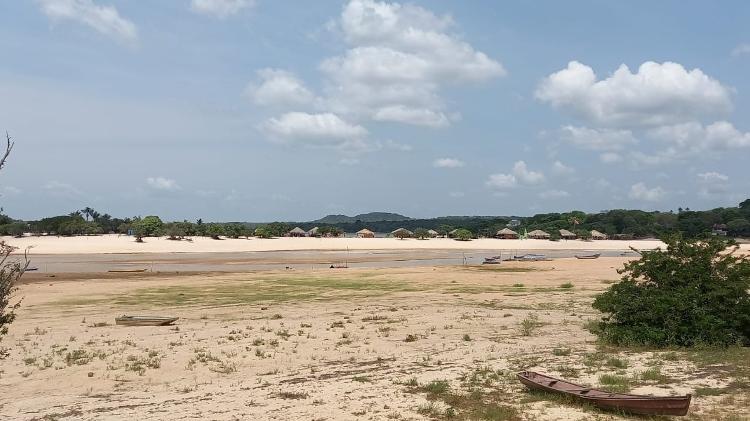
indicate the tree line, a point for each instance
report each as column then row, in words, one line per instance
column 735, row 221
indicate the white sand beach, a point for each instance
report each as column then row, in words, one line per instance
column 125, row 244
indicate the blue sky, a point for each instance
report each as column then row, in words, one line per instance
column 290, row 110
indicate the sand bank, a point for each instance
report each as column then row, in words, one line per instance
column 126, row 244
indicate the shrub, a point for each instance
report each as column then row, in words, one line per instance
column 694, row 292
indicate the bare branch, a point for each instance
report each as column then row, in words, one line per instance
column 8, row 148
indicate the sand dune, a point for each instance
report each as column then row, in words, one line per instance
column 125, row 244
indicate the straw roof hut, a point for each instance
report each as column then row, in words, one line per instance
column 539, row 235
column 365, row 233
column 507, row 234
column 596, row 235
column 402, row 233
column 433, row 233
column 297, row 232
column 567, row 235
column 313, row 232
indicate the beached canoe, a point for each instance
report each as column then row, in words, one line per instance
column 634, row 404
column 588, row 256
column 145, row 320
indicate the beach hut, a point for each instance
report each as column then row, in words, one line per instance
column 402, row 233
column 365, row 233
column 596, row 235
column 297, row 232
column 539, row 235
column 433, row 233
column 313, row 232
column 507, row 234
column 567, row 235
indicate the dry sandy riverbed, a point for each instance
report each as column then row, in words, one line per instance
column 371, row 344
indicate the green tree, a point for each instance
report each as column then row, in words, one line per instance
column 10, row 272
column 263, row 232
column 421, row 233
column 739, row 226
column 174, row 231
column 462, row 234
column 215, row 231
column 149, row 226
column 694, row 292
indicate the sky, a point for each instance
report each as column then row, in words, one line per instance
column 259, row 110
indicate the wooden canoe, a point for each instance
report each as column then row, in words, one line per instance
column 588, row 256
column 144, row 320
column 634, row 404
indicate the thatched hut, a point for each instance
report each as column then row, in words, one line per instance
column 539, row 235
column 596, row 235
column 313, row 232
column 433, row 233
column 402, row 233
column 297, row 232
column 567, row 235
column 507, row 234
column 365, row 233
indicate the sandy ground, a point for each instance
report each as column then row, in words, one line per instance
column 338, row 345
column 124, row 244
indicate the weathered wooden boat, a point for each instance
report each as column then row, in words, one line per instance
column 588, row 256
column 31, row 269
column 127, row 270
column 144, row 320
column 494, row 260
column 634, row 404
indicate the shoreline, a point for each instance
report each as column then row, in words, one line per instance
column 120, row 244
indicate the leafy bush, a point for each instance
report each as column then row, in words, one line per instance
column 694, row 292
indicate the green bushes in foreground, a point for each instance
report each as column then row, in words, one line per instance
column 696, row 292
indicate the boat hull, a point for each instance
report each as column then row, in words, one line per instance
column 144, row 321
column 634, row 404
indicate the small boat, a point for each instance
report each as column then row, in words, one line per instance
column 529, row 258
column 634, row 404
column 126, row 270
column 588, row 256
column 31, row 269
column 144, row 320
column 494, row 260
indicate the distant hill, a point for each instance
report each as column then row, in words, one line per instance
column 364, row 217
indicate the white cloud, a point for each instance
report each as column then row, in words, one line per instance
column 553, row 194
column 502, row 181
column 279, row 87
column 640, row 191
column 448, row 163
column 597, row 139
column 610, row 157
column 694, row 137
column 326, row 129
column 220, row 8
column 402, row 147
column 713, row 176
column 162, row 183
column 558, row 168
column 12, row 191
column 60, row 189
column 526, row 176
column 658, row 94
column 104, row 19
column 741, row 50
column 415, row 116
column 400, row 58
column 712, row 183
